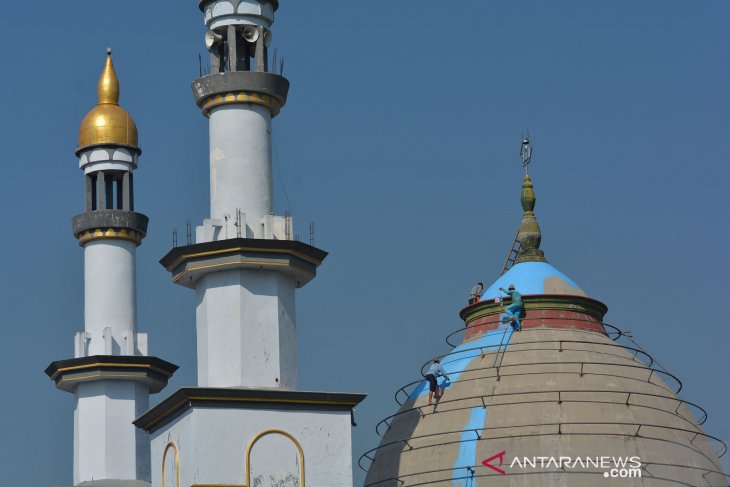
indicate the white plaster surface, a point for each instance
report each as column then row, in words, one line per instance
column 240, row 165
column 221, row 13
column 212, row 445
column 106, row 443
column 109, row 298
column 246, row 329
column 98, row 159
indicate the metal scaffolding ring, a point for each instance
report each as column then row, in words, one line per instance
column 559, row 399
column 614, row 330
column 722, row 446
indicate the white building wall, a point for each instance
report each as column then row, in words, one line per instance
column 107, row 445
column 212, row 444
column 109, row 299
column 240, row 165
column 246, row 329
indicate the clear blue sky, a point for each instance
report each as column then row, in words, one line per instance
column 400, row 141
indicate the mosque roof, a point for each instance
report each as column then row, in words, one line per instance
column 534, row 278
column 566, row 383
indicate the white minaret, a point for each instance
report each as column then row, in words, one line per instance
column 246, row 324
column 111, row 375
column 246, row 423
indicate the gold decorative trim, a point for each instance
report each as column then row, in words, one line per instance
column 178, row 277
column 109, row 233
column 274, row 432
column 105, row 364
column 185, row 257
column 177, row 463
column 270, row 102
column 102, row 374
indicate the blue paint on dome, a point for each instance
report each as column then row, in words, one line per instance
column 529, row 278
column 461, row 476
column 461, row 357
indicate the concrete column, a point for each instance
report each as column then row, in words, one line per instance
column 246, row 329
column 260, row 51
column 100, row 191
column 232, row 48
column 106, row 443
column 131, row 192
column 126, row 192
column 88, row 193
column 240, row 164
column 109, row 285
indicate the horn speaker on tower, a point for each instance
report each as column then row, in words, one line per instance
column 250, row 33
column 212, row 39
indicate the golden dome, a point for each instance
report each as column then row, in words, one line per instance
column 107, row 122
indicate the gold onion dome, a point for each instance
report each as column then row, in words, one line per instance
column 107, row 122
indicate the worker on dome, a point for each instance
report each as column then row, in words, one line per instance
column 433, row 373
column 514, row 310
column 476, row 293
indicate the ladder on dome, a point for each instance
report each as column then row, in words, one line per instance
column 514, row 251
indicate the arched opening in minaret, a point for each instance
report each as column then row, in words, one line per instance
column 274, row 458
column 109, row 190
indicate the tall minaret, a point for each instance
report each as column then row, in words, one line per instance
column 246, row 423
column 244, row 266
column 111, row 375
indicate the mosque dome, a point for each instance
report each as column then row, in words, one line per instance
column 535, row 278
column 107, row 122
column 568, row 401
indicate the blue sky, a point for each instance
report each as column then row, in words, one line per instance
column 400, row 141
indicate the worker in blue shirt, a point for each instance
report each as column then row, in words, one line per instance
column 514, row 310
column 433, row 372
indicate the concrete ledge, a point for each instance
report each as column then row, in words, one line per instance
column 191, row 262
column 152, row 371
column 242, row 398
column 255, row 87
column 573, row 303
column 91, row 220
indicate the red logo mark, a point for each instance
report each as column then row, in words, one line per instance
column 501, row 459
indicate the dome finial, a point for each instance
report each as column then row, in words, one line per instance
column 108, row 90
column 529, row 234
column 108, row 123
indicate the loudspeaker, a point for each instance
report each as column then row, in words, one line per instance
column 212, row 39
column 250, row 33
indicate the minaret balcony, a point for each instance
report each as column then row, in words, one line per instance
column 189, row 263
column 241, row 87
column 110, row 224
column 151, row 371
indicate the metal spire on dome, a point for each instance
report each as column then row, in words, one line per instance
column 529, row 234
column 108, row 90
